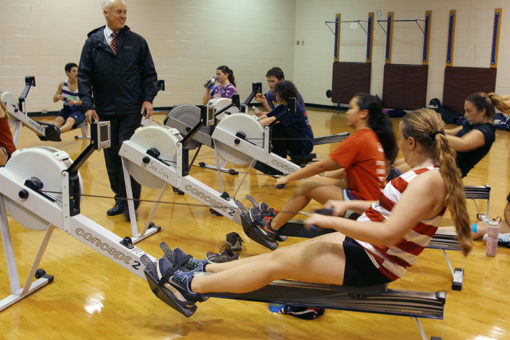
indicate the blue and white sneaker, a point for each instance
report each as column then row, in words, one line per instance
column 266, row 210
column 189, row 262
column 182, row 260
column 158, row 275
column 180, row 285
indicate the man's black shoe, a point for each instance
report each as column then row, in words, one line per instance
column 117, row 209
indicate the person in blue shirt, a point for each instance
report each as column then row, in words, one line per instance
column 474, row 138
column 292, row 134
column 274, row 75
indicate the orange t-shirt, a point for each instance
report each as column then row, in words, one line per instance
column 6, row 136
column 362, row 156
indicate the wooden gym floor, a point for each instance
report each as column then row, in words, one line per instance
column 93, row 298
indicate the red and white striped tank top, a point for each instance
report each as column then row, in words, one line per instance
column 393, row 261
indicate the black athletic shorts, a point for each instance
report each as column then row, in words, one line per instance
column 359, row 269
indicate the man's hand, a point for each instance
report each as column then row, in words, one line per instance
column 91, row 114
column 147, row 109
column 260, row 97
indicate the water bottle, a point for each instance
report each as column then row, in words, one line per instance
column 210, row 82
column 492, row 239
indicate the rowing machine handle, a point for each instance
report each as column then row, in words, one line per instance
column 324, row 211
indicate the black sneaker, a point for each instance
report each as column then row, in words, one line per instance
column 225, row 255
column 234, row 241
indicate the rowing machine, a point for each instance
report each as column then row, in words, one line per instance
column 17, row 117
column 371, row 299
column 157, row 156
column 238, row 139
column 41, row 189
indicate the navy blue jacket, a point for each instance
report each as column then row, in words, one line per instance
column 116, row 84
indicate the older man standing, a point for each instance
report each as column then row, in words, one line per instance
column 117, row 82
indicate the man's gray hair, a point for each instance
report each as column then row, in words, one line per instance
column 105, row 4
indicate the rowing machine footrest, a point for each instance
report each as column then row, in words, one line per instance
column 253, row 232
column 161, row 292
column 458, row 276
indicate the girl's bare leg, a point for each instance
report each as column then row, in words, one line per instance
column 319, row 260
column 319, row 189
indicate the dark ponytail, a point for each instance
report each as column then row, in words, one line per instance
column 380, row 123
column 225, row 69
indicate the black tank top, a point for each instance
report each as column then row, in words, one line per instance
column 467, row 160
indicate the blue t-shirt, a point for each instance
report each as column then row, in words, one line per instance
column 298, row 120
column 508, row 198
column 467, row 160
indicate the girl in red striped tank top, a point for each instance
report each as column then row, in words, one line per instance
column 376, row 248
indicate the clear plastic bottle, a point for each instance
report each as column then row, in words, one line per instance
column 491, row 246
